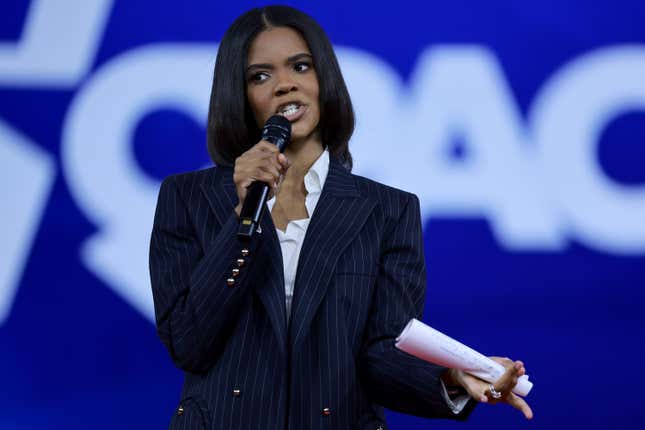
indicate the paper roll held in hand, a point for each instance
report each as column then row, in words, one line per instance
column 428, row 344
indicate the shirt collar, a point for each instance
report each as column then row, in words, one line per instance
column 317, row 174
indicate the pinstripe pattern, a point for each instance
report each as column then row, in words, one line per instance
column 360, row 278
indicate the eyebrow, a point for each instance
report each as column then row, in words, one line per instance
column 291, row 59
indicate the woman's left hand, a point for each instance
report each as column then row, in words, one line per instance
column 480, row 390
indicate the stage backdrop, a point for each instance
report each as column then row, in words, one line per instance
column 520, row 126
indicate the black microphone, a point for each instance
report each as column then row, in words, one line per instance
column 277, row 130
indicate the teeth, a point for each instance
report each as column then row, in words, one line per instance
column 290, row 109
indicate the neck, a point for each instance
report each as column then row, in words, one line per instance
column 302, row 155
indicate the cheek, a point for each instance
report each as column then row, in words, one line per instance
column 317, row 110
column 315, row 95
column 257, row 106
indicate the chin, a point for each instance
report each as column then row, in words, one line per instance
column 302, row 131
column 298, row 135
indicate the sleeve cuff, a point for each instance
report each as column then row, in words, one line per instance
column 458, row 403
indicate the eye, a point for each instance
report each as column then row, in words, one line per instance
column 301, row 66
column 258, row 77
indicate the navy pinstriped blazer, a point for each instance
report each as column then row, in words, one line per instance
column 360, row 278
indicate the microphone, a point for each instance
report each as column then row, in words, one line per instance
column 277, row 130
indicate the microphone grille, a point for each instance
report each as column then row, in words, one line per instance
column 277, row 127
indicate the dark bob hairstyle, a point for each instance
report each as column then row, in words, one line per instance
column 232, row 128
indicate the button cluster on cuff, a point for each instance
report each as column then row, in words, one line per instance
column 240, row 262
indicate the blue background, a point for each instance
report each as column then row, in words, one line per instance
column 74, row 355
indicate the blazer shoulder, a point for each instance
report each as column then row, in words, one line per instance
column 392, row 200
column 186, row 183
column 190, row 179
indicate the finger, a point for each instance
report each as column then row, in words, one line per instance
column 270, row 164
column 260, row 157
column 272, row 192
column 475, row 388
column 521, row 371
column 508, row 379
column 507, row 363
column 284, row 162
column 507, row 386
column 273, row 158
column 273, row 172
column 521, row 405
column 249, row 163
column 265, row 146
column 504, row 361
column 262, row 175
column 248, row 181
column 260, row 160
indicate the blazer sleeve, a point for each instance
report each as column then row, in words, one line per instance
column 195, row 309
column 393, row 378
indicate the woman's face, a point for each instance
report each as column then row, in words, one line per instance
column 280, row 79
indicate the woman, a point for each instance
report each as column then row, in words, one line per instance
column 294, row 328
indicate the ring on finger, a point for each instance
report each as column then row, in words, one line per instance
column 494, row 393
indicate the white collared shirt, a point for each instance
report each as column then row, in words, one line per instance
column 292, row 238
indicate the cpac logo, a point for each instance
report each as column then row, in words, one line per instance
column 535, row 180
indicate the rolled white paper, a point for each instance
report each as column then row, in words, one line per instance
column 428, row 344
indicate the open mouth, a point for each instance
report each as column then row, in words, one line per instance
column 292, row 111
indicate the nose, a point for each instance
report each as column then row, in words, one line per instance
column 285, row 85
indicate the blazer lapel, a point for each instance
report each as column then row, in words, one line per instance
column 271, row 291
column 219, row 190
column 337, row 219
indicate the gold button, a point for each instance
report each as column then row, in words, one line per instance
column 180, row 410
column 326, row 412
column 240, row 262
column 237, row 393
column 245, row 252
column 235, row 272
column 230, row 282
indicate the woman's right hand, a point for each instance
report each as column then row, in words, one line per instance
column 264, row 163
